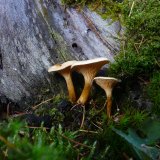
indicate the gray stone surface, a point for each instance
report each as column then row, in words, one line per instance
column 37, row 34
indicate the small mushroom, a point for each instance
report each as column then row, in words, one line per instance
column 88, row 69
column 65, row 70
column 107, row 83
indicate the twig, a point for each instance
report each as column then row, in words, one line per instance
column 157, row 146
column 8, row 109
column 10, row 145
column 136, row 48
column 84, row 111
column 73, row 141
column 34, row 127
column 5, row 154
column 157, row 62
column 75, row 145
column 36, row 106
column 99, row 111
column 97, row 4
column 97, row 126
column 74, row 106
column 86, row 131
column 139, row 44
column 102, row 108
column 141, row 41
column 145, row 82
column 18, row 115
column 83, row 154
column 131, row 9
column 83, row 118
column 78, row 158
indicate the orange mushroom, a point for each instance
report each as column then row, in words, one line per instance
column 65, row 70
column 88, row 69
column 107, row 83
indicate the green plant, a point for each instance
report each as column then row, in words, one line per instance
column 116, row 146
column 17, row 142
column 144, row 146
column 130, row 117
column 153, row 92
column 39, row 145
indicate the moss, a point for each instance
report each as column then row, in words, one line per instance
column 141, row 49
column 40, row 1
column 45, row 12
column 153, row 90
column 139, row 57
column 60, row 46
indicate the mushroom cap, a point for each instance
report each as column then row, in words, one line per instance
column 60, row 67
column 105, row 82
column 80, row 64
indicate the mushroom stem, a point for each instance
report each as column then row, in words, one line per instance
column 109, row 105
column 70, row 87
column 85, row 94
column 83, row 117
column 86, row 91
column 109, row 100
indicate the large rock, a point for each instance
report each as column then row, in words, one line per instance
column 37, row 34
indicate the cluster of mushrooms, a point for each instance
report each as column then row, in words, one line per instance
column 89, row 69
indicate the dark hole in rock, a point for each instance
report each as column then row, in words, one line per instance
column 77, row 48
column 88, row 30
column 17, row 49
column 64, row 18
column 74, row 45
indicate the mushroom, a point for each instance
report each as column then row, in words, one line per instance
column 88, row 69
column 65, row 70
column 107, row 83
